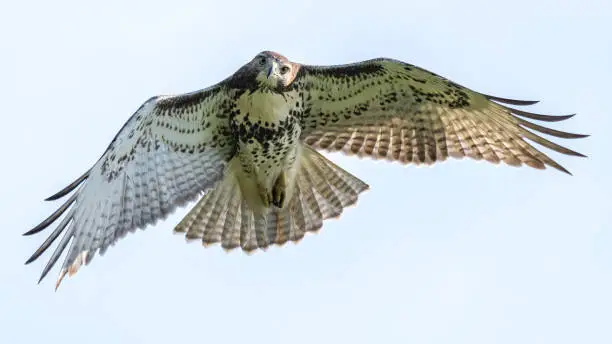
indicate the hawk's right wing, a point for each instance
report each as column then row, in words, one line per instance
column 169, row 152
column 389, row 109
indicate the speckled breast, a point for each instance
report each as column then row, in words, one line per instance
column 267, row 132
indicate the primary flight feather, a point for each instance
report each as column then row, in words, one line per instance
column 249, row 145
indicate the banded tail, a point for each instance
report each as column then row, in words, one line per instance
column 322, row 190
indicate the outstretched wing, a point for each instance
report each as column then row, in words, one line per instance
column 169, row 152
column 389, row 109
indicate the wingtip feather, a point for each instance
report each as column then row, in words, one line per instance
column 37, row 228
column 63, row 192
column 31, row 259
column 563, row 169
column 31, row 231
column 511, row 101
column 539, row 117
column 54, row 216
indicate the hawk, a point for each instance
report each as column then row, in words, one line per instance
column 248, row 148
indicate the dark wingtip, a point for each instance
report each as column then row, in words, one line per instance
column 42, row 225
column 49, row 220
column 579, row 136
column 564, row 117
column 558, row 167
column 63, row 192
column 56, row 196
column 539, row 117
column 549, row 118
column 31, row 259
column 549, row 131
column 581, row 155
column 44, row 273
column 511, row 101
column 34, row 230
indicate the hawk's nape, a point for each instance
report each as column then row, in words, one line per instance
column 162, row 158
column 389, row 109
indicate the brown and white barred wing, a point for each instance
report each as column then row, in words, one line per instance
column 385, row 108
column 169, row 152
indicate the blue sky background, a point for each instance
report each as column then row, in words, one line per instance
column 462, row 252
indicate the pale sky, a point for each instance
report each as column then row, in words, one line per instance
column 461, row 252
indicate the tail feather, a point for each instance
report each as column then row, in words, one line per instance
column 212, row 230
column 311, row 205
column 248, row 240
column 300, row 214
column 198, row 220
column 321, row 191
column 272, row 222
column 230, row 238
column 295, row 233
column 259, row 228
column 321, row 187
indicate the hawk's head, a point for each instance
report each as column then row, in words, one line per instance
column 272, row 70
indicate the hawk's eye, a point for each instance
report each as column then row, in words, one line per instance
column 284, row 69
column 262, row 60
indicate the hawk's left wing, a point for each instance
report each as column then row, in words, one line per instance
column 169, row 152
column 390, row 109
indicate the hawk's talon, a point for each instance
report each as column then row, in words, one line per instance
column 278, row 191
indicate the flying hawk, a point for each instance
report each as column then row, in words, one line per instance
column 249, row 145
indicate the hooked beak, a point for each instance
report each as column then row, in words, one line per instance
column 273, row 68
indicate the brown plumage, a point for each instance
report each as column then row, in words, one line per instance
column 388, row 109
column 248, row 145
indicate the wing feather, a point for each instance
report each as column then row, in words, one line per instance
column 63, row 192
column 168, row 153
column 386, row 108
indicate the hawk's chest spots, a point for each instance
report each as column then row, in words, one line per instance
column 267, row 131
column 264, row 117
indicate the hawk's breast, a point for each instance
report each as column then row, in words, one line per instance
column 267, row 132
column 265, row 106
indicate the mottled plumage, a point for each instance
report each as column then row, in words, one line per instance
column 248, row 145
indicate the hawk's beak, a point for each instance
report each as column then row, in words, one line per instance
column 273, row 69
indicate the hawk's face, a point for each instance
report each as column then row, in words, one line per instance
column 273, row 70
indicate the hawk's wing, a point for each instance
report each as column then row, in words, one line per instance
column 169, row 152
column 389, row 109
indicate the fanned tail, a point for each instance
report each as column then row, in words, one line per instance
column 321, row 191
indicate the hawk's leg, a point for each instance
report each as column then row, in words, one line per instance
column 278, row 191
column 265, row 196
